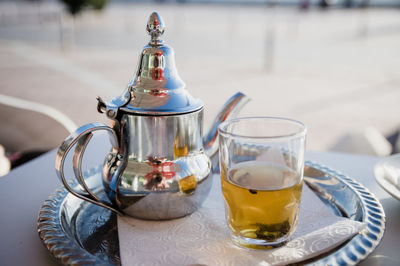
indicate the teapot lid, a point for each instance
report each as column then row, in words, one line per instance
column 156, row 89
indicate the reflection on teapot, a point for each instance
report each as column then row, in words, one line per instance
column 160, row 165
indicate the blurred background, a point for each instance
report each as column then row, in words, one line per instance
column 335, row 65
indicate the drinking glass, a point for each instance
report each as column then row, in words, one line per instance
column 261, row 164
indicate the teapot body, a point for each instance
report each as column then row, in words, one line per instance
column 157, row 167
column 160, row 170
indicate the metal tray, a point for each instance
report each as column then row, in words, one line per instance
column 80, row 233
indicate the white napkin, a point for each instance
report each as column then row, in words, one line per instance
column 203, row 237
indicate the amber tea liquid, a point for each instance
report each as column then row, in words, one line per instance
column 262, row 202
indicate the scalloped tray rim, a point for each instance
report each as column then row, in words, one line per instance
column 357, row 249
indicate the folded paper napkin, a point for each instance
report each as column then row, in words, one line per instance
column 203, row 237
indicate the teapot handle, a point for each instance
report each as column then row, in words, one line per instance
column 81, row 137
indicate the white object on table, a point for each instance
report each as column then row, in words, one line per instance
column 204, row 238
column 387, row 174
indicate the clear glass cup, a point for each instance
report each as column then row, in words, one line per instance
column 262, row 164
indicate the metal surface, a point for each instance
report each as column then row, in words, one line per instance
column 76, row 232
column 165, row 173
column 156, row 88
column 347, row 198
column 155, row 28
column 160, row 172
column 158, row 168
column 230, row 110
column 80, row 137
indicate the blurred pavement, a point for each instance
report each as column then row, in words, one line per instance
column 336, row 70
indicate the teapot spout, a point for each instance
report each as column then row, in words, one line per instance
column 230, row 110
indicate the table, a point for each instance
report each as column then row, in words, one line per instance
column 24, row 189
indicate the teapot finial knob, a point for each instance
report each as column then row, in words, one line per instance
column 155, row 28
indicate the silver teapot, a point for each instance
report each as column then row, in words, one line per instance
column 160, row 165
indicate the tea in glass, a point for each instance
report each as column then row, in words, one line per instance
column 261, row 183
